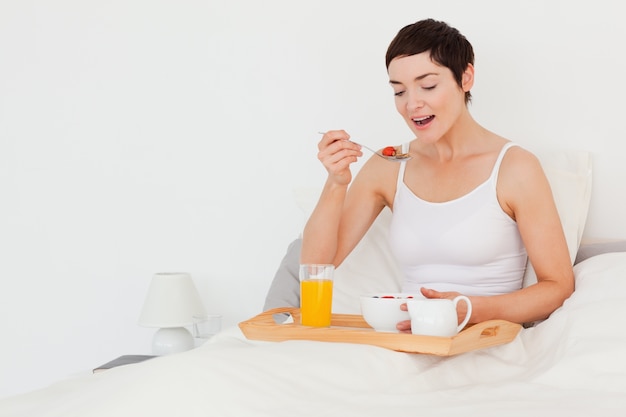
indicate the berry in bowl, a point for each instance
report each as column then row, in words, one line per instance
column 382, row 311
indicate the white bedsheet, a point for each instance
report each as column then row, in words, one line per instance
column 573, row 364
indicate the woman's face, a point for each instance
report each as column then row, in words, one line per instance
column 426, row 95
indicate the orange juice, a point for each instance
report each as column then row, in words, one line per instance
column 316, row 296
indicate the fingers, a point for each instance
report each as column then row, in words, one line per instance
column 429, row 293
column 338, row 157
column 337, row 152
column 404, row 326
column 461, row 307
column 332, row 136
column 335, row 145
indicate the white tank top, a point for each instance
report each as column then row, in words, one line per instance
column 468, row 244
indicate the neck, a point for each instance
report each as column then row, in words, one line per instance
column 465, row 137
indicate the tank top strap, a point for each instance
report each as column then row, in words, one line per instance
column 405, row 149
column 496, row 167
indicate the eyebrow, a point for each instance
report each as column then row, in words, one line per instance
column 418, row 78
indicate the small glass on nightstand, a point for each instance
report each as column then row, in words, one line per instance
column 205, row 327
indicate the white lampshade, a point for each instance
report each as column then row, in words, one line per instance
column 171, row 303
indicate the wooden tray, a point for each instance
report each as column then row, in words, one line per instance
column 348, row 328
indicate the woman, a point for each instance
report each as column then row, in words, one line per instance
column 468, row 208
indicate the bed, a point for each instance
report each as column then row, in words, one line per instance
column 571, row 364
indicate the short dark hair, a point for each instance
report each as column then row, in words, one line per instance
column 446, row 45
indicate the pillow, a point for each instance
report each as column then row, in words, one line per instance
column 594, row 249
column 285, row 288
column 569, row 175
column 371, row 267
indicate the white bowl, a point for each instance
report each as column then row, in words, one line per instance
column 382, row 310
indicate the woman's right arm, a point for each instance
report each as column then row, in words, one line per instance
column 341, row 217
column 319, row 239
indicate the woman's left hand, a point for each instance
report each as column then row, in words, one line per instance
column 461, row 310
column 461, row 307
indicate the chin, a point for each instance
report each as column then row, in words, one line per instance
column 421, row 135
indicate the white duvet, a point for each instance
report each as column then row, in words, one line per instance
column 573, row 364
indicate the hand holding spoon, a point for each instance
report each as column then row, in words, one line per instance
column 396, row 157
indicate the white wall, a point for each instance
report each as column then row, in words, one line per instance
column 146, row 136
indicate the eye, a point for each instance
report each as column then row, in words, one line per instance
column 430, row 87
column 398, row 93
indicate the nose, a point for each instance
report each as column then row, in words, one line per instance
column 415, row 102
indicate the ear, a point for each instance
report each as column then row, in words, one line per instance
column 467, row 79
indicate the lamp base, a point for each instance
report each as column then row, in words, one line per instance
column 169, row 340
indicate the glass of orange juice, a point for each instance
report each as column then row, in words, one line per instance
column 316, row 294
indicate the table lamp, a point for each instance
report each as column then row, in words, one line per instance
column 171, row 303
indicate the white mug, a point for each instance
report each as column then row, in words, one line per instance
column 437, row 316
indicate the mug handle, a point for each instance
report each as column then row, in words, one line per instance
column 469, row 310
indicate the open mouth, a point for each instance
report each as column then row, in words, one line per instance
column 423, row 121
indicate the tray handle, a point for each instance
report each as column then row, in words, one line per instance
column 485, row 334
column 267, row 317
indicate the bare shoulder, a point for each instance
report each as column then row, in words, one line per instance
column 520, row 165
column 521, row 181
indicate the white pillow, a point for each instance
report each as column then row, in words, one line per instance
column 371, row 267
column 569, row 174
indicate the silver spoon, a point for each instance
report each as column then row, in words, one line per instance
column 399, row 157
